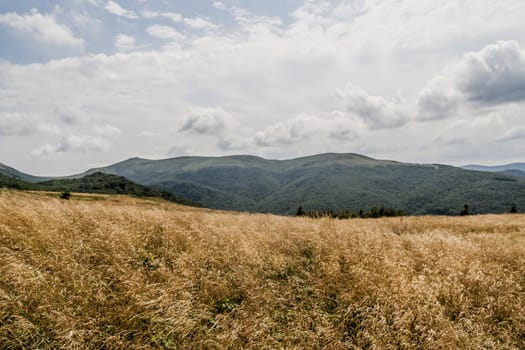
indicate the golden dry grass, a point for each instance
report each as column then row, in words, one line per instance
column 124, row 273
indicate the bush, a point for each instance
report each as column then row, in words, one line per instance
column 65, row 195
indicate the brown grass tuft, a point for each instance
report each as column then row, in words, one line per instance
column 123, row 273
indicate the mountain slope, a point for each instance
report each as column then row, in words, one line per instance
column 325, row 182
column 514, row 172
column 11, row 182
column 13, row 173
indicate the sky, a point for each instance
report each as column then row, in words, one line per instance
column 87, row 83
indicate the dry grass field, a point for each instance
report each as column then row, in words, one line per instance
column 124, row 273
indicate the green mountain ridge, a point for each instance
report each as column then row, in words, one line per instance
column 324, row 182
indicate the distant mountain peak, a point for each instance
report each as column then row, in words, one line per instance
column 495, row 168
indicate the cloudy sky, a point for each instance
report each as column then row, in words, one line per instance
column 85, row 83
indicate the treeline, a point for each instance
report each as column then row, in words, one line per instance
column 99, row 183
column 375, row 212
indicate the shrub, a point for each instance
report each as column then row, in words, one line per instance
column 65, row 195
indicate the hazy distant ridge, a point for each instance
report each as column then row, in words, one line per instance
column 496, row 168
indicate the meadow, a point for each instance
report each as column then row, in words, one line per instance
column 116, row 272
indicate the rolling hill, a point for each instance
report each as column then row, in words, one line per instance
column 15, row 174
column 325, row 182
column 93, row 183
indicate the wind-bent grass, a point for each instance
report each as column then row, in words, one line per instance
column 124, row 273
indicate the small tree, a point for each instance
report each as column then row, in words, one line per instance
column 513, row 208
column 65, row 195
column 300, row 211
column 465, row 210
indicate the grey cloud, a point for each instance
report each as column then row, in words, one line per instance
column 226, row 145
column 16, row 124
column 178, row 151
column 299, row 128
column 375, row 111
column 435, row 105
column 233, row 143
column 344, row 132
column 494, row 75
column 82, row 144
column 68, row 115
column 512, row 135
column 73, row 143
column 207, row 121
column 344, row 128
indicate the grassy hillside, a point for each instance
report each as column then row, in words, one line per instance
column 108, row 184
column 126, row 273
column 94, row 183
column 326, row 182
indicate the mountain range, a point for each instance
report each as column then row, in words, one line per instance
column 516, row 169
column 321, row 182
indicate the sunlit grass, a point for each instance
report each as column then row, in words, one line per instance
column 124, row 273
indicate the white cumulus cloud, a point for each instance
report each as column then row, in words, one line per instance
column 116, row 9
column 42, row 27
column 303, row 127
column 375, row 111
column 164, row 32
column 125, row 42
column 491, row 76
column 199, row 23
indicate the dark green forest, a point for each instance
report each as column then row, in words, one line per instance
column 329, row 182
